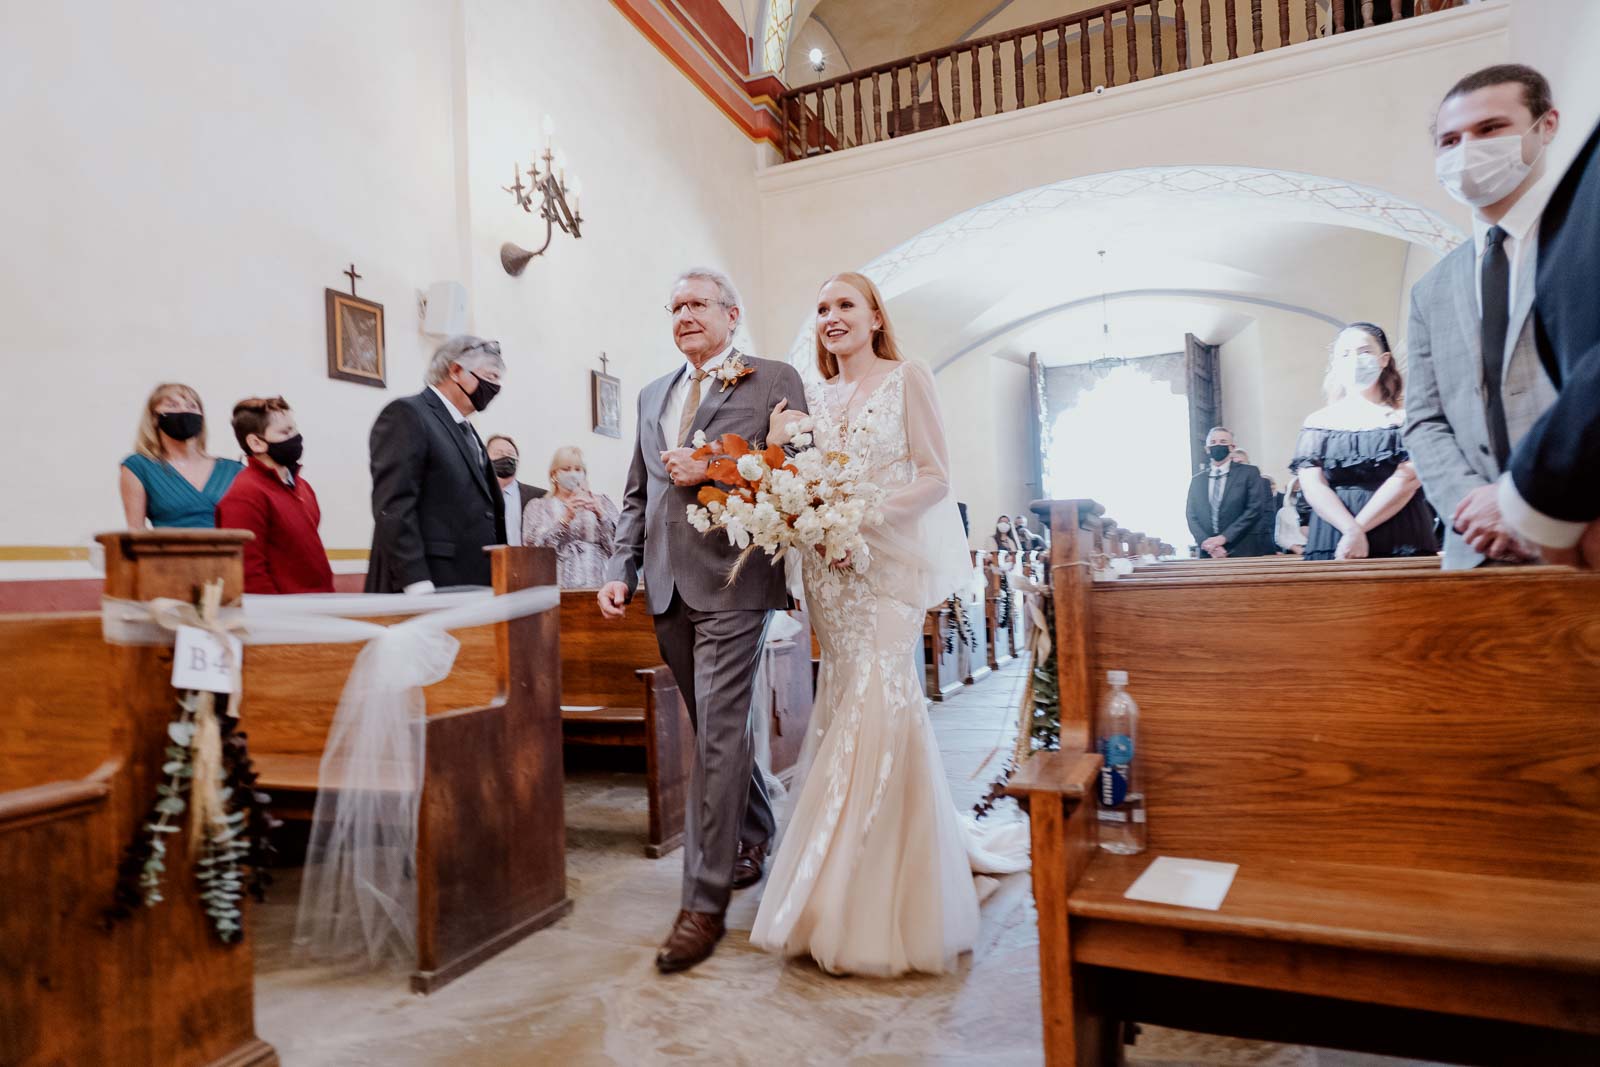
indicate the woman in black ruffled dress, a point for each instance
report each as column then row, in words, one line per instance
column 1354, row 470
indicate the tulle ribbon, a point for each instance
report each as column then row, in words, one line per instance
column 358, row 897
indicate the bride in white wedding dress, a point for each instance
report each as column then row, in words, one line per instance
column 874, row 874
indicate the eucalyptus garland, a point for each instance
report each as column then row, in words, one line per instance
column 1045, row 726
column 233, row 856
column 958, row 614
column 1002, row 610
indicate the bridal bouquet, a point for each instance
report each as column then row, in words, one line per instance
column 775, row 502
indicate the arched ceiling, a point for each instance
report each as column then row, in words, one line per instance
column 1202, row 250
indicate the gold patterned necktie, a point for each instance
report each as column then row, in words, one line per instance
column 691, row 404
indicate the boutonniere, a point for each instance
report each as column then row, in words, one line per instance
column 732, row 370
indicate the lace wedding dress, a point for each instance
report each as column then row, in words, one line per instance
column 874, row 873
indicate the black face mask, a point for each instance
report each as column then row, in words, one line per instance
column 181, row 425
column 286, row 453
column 505, row 466
column 484, row 393
column 1219, row 452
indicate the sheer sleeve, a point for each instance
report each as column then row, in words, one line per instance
column 922, row 525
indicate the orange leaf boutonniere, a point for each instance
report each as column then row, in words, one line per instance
column 733, row 369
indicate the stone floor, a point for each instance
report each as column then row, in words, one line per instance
column 585, row 991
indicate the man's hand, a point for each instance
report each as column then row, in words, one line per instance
column 1213, row 542
column 1585, row 554
column 682, row 467
column 781, row 423
column 1479, row 522
column 1218, row 552
column 613, row 598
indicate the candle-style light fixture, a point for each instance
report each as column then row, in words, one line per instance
column 548, row 187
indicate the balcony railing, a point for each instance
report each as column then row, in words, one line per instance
column 1114, row 44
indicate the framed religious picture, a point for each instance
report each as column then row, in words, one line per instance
column 606, row 397
column 355, row 339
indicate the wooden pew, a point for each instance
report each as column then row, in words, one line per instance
column 1280, row 565
column 491, row 855
column 615, row 691
column 943, row 668
column 999, row 640
column 1405, row 764
column 83, row 726
column 972, row 661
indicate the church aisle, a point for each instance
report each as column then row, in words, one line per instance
column 586, row 993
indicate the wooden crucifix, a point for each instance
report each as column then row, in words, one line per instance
column 604, row 364
column 353, row 276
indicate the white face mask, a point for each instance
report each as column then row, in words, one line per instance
column 571, row 481
column 1362, row 369
column 1480, row 173
column 1003, row 527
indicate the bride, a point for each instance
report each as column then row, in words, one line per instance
column 875, row 871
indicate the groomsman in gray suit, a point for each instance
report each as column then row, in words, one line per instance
column 1477, row 384
column 710, row 630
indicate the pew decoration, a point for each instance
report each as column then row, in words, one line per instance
column 209, row 775
column 963, row 622
column 1039, row 714
column 359, row 894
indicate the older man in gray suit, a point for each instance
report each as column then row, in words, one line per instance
column 710, row 630
column 1477, row 384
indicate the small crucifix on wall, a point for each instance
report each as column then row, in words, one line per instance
column 353, row 276
column 605, row 396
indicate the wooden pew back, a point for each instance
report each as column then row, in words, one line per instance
column 1404, row 719
column 599, row 657
column 53, row 678
column 292, row 691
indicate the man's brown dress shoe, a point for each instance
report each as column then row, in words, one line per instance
column 747, row 869
column 694, row 935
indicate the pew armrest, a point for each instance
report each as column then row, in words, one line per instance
column 1069, row 775
column 55, row 800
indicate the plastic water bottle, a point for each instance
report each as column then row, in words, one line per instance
column 1121, row 808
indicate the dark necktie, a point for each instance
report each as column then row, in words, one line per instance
column 1496, row 292
column 473, row 443
column 1216, row 500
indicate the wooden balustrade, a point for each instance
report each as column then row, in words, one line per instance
column 1115, row 44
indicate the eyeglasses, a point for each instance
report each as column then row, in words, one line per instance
column 696, row 307
column 491, row 347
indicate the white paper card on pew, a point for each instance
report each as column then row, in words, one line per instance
column 1186, row 883
column 200, row 660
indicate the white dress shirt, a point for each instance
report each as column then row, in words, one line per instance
column 513, row 498
column 672, row 415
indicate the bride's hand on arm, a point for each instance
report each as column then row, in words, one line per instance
column 781, row 423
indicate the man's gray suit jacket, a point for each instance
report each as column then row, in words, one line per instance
column 653, row 532
column 1447, row 423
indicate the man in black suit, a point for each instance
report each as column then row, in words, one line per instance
column 435, row 504
column 1261, row 541
column 1225, row 501
column 515, row 496
column 1551, row 495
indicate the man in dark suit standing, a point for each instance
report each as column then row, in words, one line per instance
column 1225, row 501
column 1551, row 495
column 435, row 504
column 515, row 496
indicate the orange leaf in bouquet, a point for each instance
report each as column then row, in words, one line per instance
column 705, row 451
column 710, row 493
column 725, row 470
column 734, row 446
column 774, row 457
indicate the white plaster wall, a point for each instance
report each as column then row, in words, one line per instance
column 1559, row 38
column 182, row 184
column 1271, row 380
column 184, row 181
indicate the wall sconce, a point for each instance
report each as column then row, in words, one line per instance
column 548, row 188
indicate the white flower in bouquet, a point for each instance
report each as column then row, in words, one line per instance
column 751, row 467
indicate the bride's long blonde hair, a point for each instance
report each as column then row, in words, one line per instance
column 884, row 345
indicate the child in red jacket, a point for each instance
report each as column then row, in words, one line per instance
column 271, row 500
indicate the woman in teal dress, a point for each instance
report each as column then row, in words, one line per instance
column 170, row 479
